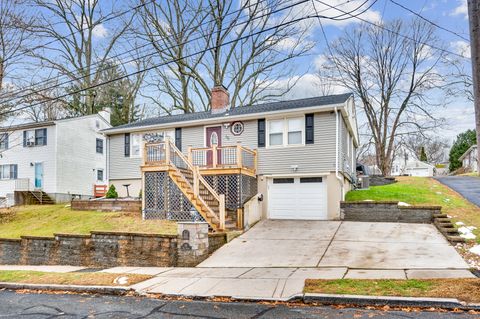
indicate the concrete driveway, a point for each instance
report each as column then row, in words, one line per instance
column 467, row 186
column 354, row 245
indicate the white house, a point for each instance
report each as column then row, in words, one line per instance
column 469, row 159
column 419, row 168
column 61, row 158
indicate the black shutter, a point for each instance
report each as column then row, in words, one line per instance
column 24, row 138
column 261, row 133
column 13, row 171
column 127, row 145
column 6, row 140
column 178, row 138
column 309, row 129
column 44, row 136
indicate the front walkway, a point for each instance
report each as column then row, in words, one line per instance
column 467, row 186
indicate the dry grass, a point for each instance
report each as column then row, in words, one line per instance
column 463, row 289
column 50, row 219
column 72, row 278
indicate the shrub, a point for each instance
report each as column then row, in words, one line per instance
column 112, row 192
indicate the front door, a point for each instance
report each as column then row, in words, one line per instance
column 214, row 137
column 38, row 175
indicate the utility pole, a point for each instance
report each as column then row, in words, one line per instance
column 474, row 22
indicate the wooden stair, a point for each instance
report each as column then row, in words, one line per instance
column 209, row 204
column 41, row 198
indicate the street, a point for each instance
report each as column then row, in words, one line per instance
column 467, row 186
column 31, row 305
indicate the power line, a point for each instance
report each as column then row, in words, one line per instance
column 118, row 15
column 155, row 51
column 395, row 32
column 54, row 82
column 171, row 61
column 429, row 21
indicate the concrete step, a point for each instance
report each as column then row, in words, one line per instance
column 455, row 239
column 448, row 230
column 440, row 215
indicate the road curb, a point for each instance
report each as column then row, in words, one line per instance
column 105, row 290
column 361, row 300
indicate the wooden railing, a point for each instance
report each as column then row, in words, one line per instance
column 166, row 153
column 223, row 157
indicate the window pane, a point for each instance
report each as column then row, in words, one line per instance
column 136, row 144
column 5, row 171
column 294, row 138
column 276, row 139
column 295, row 124
column 276, row 126
column 100, row 175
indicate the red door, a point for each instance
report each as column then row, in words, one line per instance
column 214, row 137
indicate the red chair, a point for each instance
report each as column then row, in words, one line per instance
column 99, row 191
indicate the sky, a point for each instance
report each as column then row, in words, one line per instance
column 449, row 14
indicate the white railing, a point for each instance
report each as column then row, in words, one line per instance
column 223, row 157
column 23, row 184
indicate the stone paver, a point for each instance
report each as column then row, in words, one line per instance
column 61, row 269
column 375, row 274
column 378, row 255
column 438, row 273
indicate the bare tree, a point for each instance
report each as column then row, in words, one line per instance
column 86, row 44
column 393, row 71
column 237, row 46
column 435, row 147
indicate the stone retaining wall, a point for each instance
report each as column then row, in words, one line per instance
column 108, row 205
column 111, row 249
column 387, row 212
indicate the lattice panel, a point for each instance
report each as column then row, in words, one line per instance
column 164, row 200
column 248, row 188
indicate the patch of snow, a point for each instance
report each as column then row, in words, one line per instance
column 475, row 250
column 460, row 223
column 438, row 193
column 466, row 232
column 448, row 216
column 403, row 204
column 446, row 200
column 368, row 200
column 68, row 205
column 121, row 280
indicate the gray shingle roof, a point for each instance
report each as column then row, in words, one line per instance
column 259, row 108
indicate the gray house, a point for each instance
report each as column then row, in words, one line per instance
column 289, row 160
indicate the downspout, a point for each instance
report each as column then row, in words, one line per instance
column 337, row 148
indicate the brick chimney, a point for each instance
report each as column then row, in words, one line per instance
column 220, row 99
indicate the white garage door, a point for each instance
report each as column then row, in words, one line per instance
column 297, row 198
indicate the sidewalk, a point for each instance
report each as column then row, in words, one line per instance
column 246, row 283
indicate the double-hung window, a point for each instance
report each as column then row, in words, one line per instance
column 36, row 137
column 136, row 145
column 100, row 175
column 3, row 141
column 9, row 171
column 286, row 131
column 99, row 146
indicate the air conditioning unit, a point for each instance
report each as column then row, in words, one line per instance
column 30, row 143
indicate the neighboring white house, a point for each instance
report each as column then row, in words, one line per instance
column 469, row 159
column 62, row 157
column 419, row 168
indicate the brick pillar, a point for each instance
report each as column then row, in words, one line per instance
column 192, row 243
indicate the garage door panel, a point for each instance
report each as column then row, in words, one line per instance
column 298, row 200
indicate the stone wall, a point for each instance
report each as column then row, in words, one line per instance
column 108, row 205
column 110, row 249
column 387, row 212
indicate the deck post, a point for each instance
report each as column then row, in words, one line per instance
column 167, row 152
column 214, row 156
column 239, row 156
column 196, row 184
column 221, row 209
column 189, row 154
column 255, row 161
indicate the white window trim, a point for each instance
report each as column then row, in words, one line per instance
column 285, row 132
column 166, row 133
column 140, row 153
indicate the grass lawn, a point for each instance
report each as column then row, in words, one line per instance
column 72, row 278
column 423, row 191
column 463, row 289
column 50, row 219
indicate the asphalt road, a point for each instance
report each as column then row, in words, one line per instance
column 42, row 306
column 467, row 186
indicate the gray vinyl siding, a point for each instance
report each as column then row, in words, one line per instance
column 312, row 158
column 121, row 167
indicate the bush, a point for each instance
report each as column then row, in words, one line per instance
column 461, row 145
column 112, row 192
